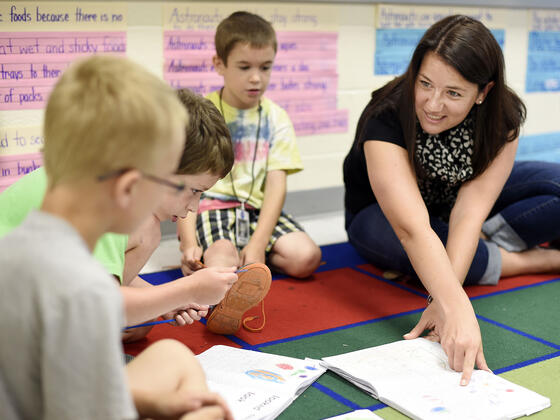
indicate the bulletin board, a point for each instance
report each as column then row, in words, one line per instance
column 331, row 56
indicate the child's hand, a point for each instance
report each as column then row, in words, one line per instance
column 190, row 260
column 211, row 284
column 187, row 314
column 252, row 253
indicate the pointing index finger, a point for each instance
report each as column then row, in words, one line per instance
column 468, row 366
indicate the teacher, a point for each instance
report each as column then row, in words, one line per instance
column 432, row 189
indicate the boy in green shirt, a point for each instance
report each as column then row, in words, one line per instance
column 207, row 157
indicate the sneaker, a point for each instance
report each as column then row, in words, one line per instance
column 250, row 288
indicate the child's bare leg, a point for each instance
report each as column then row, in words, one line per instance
column 221, row 253
column 167, row 378
column 166, row 365
column 295, row 254
column 532, row 261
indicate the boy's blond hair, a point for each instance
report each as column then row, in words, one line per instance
column 208, row 147
column 105, row 114
column 245, row 28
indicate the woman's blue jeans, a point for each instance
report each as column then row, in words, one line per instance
column 526, row 214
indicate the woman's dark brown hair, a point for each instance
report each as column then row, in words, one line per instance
column 471, row 49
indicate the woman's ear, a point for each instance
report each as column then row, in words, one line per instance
column 125, row 186
column 482, row 95
column 219, row 65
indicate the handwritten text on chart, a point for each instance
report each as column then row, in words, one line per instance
column 19, row 152
column 197, row 64
column 13, row 167
column 394, row 48
column 22, row 15
column 32, row 62
column 320, row 123
column 543, row 62
column 297, row 17
column 185, row 18
column 304, row 75
column 545, row 20
column 14, row 141
column 406, row 17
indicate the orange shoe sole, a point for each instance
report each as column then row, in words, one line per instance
column 250, row 288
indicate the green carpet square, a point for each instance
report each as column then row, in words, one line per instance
column 533, row 310
column 542, row 378
column 503, row 348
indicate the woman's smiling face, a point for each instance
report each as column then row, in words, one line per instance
column 443, row 98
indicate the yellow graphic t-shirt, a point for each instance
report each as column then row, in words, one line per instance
column 270, row 144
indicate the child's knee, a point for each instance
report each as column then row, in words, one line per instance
column 171, row 348
column 222, row 246
column 177, row 353
column 221, row 250
column 305, row 261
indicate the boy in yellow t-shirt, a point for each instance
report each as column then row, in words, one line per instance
column 240, row 219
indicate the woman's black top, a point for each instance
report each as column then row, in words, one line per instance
column 444, row 160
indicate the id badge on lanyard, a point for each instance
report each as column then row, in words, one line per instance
column 241, row 226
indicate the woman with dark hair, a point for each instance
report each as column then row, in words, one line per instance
column 432, row 189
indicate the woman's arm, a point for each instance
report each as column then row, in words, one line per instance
column 451, row 315
column 474, row 202
column 394, row 184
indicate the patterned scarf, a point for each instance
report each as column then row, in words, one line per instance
column 446, row 161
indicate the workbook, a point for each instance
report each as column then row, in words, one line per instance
column 413, row 376
column 257, row 385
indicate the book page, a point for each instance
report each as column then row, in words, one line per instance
column 357, row 415
column 257, row 385
column 414, row 377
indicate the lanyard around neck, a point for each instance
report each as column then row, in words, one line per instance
column 254, row 154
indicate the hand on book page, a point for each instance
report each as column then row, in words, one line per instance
column 257, row 385
column 413, row 376
column 459, row 335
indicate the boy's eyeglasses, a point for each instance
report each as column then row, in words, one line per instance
column 118, row 172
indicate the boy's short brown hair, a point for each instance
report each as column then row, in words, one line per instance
column 107, row 113
column 208, row 147
column 246, row 28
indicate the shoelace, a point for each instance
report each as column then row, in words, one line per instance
column 251, row 318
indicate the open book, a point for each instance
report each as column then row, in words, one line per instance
column 413, row 376
column 257, row 385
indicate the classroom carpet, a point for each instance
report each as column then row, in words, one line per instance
column 349, row 305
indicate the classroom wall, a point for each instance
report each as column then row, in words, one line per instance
column 356, row 25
